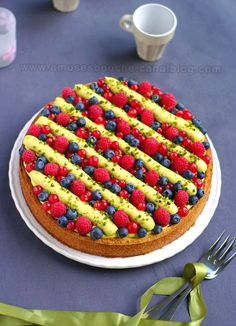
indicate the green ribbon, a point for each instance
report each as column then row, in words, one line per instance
column 193, row 273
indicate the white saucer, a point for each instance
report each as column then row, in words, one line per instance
column 117, row 263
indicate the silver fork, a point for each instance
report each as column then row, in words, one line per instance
column 215, row 260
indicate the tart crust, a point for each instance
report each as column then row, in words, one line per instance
column 113, row 247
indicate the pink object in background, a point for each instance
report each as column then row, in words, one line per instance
column 7, row 37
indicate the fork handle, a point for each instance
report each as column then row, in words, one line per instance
column 165, row 302
column 168, row 315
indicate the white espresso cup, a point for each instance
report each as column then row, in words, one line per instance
column 153, row 26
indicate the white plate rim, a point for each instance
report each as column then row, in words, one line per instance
column 103, row 262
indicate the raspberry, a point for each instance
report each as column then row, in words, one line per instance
column 77, row 187
column 171, row 133
column 181, row 198
column 63, row 119
column 51, row 169
column 137, row 197
column 83, row 225
column 28, row 156
column 127, row 162
column 133, row 227
column 101, row 175
column 68, row 91
column 34, row 130
column 161, row 216
column 145, row 88
column 198, row 149
column 58, row 209
column 103, row 144
column 150, row 146
column 119, row 99
column 147, row 117
column 95, row 111
column 124, row 127
column 168, row 101
column 121, row 219
column 151, row 178
column 61, row 144
column 179, row 164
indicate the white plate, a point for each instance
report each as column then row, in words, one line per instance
column 118, row 263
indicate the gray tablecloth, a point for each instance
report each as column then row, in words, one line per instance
column 57, row 50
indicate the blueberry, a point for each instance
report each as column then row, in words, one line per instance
column 174, row 111
column 73, row 147
column 99, row 90
column 163, row 181
column 43, row 196
column 70, row 99
column 45, row 112
column 71, row 177
column 91, row 140
column 156, row 125
column 175, row 219
column 21, row 150
column 92, row 202
column 43, row 159
column 203, row 130
column 110, row 210
column 62, row 221
column 81, row 122
column 110, row 125
column 188, row 174
column 167, row 193
column 206, row 144
column 178, row 140
column 201, row 175
column 165, row 162
column 139, row 174
column 123, row 232
column 122, row 78
column 43, row 137
column 200, row 193
column 80, row 106
column 132, row 82
column 55, row 110
column 93, row 100
column 150, row 207
column 127, row 107
column 71, row 214
column 107, row 184
column 89, row 169
column 129, row 137
column 156, row 98
column 72, row 126
column 76, row 159
column 134, row 142
column 177, row 186
column 109, row 153
column 96, row 233
column 129, row 187
column 39, row 165
column 96, row 195
column 93, row 86
column 139, row 163
column 180, row 106
column 115, row 188
column 65, row 182
column 142, row 232
column 157, row 229
column 109, row 114
column 193, row 200
column 197, row 122
column 158, row 157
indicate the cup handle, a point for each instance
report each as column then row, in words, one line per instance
column 126, row 23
